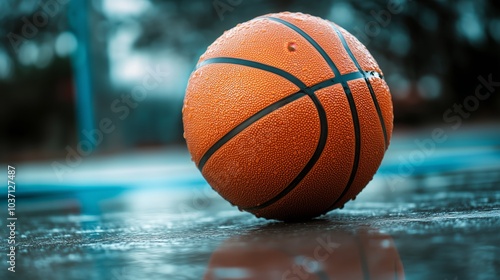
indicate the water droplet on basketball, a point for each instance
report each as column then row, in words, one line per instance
column 292, row 46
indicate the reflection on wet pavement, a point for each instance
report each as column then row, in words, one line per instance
column 280, row 252
column 448, row 230
column 434, row 219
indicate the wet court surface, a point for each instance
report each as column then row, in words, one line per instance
column 423, row 225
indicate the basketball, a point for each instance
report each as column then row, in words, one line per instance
column 287, row 116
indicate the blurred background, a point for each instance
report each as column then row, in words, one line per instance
column 90, row 117
column 67, row 65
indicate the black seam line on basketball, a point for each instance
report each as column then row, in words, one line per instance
column 352, row 105
column 312, row 161
column 337, row 80
column 357, row 145
column 231, row 60
column 258, row 115
column 368, row 83
column 342, row 79
column 311, row 41
column 321, row 112
column 269, row 109
column 233, row 132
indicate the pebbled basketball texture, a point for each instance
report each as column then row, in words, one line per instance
column 287, row 116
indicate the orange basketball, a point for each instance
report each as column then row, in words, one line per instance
column 287, row 116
